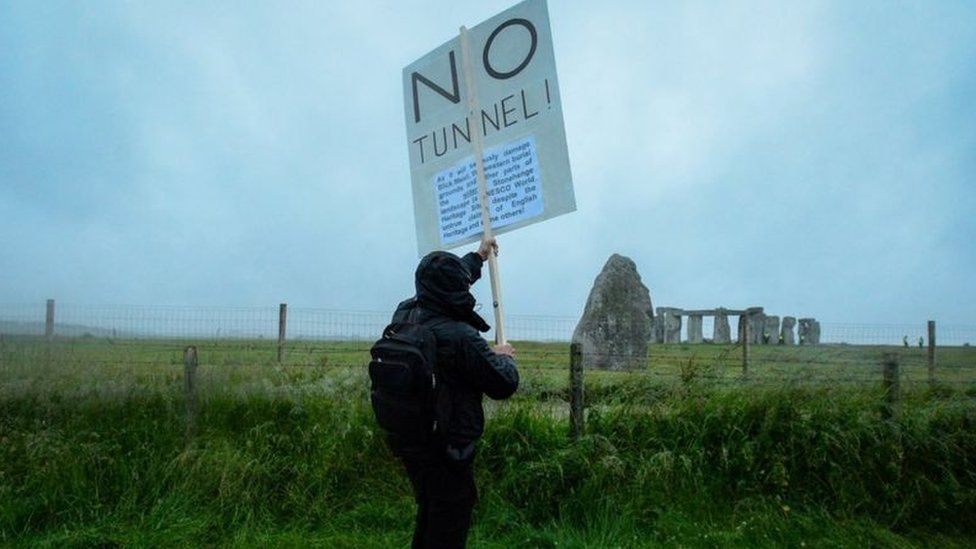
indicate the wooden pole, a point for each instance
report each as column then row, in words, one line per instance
column 190, row 387
column 932, row 353
column 744, row 330
column 282, row 325
column 49, row 320
column 575, row 390
column 477, row 142
column 890, row 385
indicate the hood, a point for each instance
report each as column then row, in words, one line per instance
column 443, row 281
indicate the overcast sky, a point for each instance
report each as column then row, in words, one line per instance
column 815, row 158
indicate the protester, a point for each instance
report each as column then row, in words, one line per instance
column 466, row 370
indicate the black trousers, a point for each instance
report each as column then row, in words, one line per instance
column 445, row 493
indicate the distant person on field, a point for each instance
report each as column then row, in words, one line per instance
column 440, row 470
column 904, row 341
column 921, row 342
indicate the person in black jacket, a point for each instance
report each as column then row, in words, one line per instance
column 440, row 470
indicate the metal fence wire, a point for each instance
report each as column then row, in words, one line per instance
column 117, row 335
column 175, row 322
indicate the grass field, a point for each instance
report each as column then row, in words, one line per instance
column 684, row 451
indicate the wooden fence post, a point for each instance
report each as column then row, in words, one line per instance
column 49, row 320
column 891, row 386
column 576, row 390
column 744, row 330
column 932, row 353
column 282, row 325
column 190, row 386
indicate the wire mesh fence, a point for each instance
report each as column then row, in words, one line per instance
column 165, row 322
column 169, row 322
column 131, row 336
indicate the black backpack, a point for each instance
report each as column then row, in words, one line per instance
column 403, row 382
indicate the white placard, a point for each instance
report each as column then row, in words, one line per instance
column 520, row 114
column 514, row 194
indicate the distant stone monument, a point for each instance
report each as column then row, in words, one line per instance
column 763, row 329
column 809, row 331
column 789, row 323
column 617, row 322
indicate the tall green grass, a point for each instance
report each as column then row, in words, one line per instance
column 84, row 468
column 93, row 451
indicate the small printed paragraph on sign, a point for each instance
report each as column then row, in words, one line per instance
column 512, row 175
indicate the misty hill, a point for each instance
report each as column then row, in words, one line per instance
column 10, row 327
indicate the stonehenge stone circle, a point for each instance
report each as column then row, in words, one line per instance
column 617, row 322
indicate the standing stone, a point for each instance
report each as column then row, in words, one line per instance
column 672, row 333
column 617, row 322
column 742, row 323
column 771, row 330
column 670, row 320
column 695, row 329
column 789, row 322
column 722, row 333
column 809, row 331
column 757, row 321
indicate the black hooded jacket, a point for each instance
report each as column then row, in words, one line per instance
column 466, row 367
